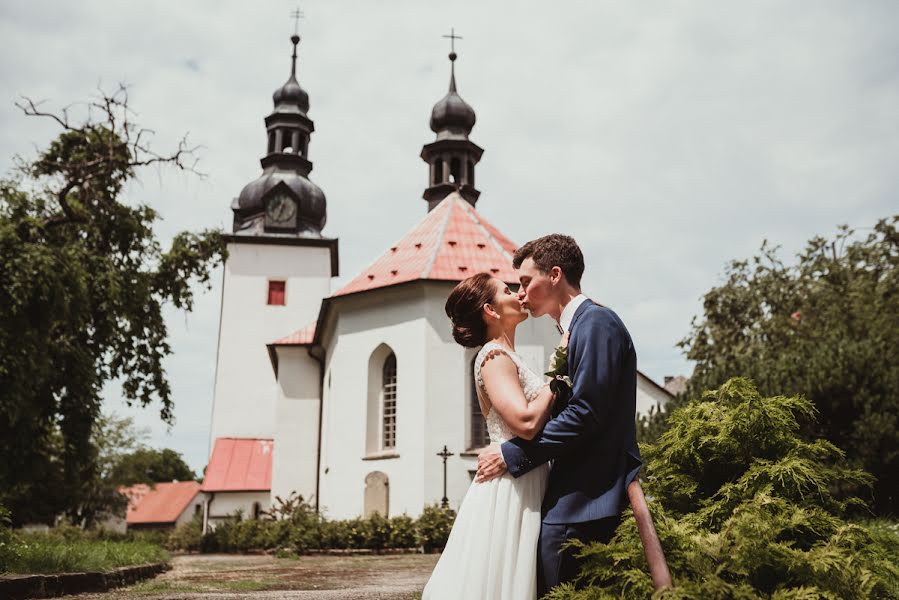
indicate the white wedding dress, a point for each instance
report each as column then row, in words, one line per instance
column 491, row 553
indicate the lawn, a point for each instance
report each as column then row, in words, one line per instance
column 40, row 553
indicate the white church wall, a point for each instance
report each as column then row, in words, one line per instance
column 296, row 423
column 363, row 325
column 649, row 395
column 195, row 506
column 245, row 389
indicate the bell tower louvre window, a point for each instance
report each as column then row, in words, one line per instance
column 276, row 293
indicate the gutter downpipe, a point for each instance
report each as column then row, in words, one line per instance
column 316, row 353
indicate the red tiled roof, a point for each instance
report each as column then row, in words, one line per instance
column 161, row 503
column 134, row 493
column 300, row 337
column 451, row 243
column 239, row 464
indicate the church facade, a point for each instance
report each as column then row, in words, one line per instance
column 351, row 409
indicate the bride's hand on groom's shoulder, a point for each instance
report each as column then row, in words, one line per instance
column 490, row 464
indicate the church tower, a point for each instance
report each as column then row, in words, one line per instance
column 452, row 156
column 279, row 267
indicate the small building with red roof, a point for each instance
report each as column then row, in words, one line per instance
column 349, row 404
column 162, row 505
column 238, row 477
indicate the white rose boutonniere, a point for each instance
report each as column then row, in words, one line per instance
column 558, row 370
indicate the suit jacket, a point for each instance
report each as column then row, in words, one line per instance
column 593, row 439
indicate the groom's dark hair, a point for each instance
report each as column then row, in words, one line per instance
column 554, row 250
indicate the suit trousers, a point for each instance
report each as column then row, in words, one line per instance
column 555, row 565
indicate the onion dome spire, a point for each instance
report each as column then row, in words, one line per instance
column 291, row 97
column 452, row 113
column 452, row 156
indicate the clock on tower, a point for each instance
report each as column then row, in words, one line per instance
column 280, row 211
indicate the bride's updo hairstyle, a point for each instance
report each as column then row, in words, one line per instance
column 465, row 307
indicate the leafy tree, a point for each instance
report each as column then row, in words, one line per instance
column 112, row 439
column 83, row 280
column 148, row 465
column 747, row 508
column 827, row 328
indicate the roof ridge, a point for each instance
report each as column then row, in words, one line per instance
column 476, row 219
column 449, row 212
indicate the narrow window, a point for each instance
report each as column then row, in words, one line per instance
column 478, row 436
column 388, row 402
column 455, row 168
column 256, row 510
column 438, row 171
column 276, row 293
column 471, row 173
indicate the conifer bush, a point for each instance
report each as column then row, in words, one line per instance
column 747, row 508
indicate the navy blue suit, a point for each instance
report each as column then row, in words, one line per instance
column 591, row 439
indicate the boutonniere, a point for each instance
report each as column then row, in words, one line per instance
column 558, row 370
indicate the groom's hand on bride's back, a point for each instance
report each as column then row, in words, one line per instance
column 490, row 464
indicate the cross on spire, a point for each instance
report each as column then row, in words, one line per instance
column 452, row 38
column 296, row 15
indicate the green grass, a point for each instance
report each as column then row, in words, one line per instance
column 37, row 553
column 238, row 585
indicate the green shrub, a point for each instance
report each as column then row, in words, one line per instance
column 298, row 530
column 747, row 508
column 188, row 536
column 402, row 533
column 335, row 534
column 433, row 527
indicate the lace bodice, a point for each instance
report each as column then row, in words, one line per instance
column 530, row 385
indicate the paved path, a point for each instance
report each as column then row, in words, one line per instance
column 233, row 577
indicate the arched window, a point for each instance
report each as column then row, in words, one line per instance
column 380, row 405
column 477, row 430
column 388, row 403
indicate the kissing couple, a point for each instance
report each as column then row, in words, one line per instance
column 560, row 456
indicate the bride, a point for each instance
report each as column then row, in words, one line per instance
column 492, row 549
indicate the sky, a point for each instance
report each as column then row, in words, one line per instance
column 669, row 137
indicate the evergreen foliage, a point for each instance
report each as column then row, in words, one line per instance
column 826, row 328
column 746, row 508
column 83, row 282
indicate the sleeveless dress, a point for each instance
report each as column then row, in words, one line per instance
column 491, row 553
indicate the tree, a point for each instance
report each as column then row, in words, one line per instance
column 83, row 281
column 113, row 438
column 827, row 328
column 747, row 508
column 147, row 465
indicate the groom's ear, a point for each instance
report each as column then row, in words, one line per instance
column 556, row 275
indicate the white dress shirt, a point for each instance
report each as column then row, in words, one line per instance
column 569, row 310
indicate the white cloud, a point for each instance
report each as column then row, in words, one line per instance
column 667, row 137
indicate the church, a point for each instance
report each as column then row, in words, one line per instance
column 346, row 396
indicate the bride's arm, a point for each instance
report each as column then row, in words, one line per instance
column 507, row 398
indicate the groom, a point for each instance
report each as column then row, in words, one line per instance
column 591, row 439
